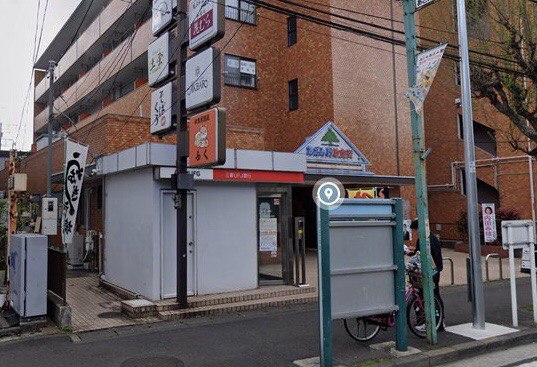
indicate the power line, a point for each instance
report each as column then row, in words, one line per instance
column 35, row 55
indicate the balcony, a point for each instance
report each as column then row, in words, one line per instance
column 115, row 20
column 121, row 64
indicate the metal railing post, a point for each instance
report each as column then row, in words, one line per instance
column 452, row 269
column 487, row 272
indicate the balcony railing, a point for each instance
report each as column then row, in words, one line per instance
column 87, row 39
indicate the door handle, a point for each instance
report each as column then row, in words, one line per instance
column 191, row 244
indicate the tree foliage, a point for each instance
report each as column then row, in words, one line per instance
column 511, row 34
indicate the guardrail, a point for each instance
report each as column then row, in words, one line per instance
column 491, row 256
column 452, row 269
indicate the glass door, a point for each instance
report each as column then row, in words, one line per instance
column 271, row 239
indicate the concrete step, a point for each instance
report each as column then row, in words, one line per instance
column 256, row 304
column 245, row 296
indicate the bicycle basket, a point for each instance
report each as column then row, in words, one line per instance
column 416, row 279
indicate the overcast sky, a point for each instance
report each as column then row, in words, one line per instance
column 17, row 30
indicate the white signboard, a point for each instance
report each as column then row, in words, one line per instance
column 161, row 109
column 205, row 22
column 268, row 235
column 158, row 59
column 489, row 222
column 427, row 65
column 247, row 67
column 422, row 3
column 203, row 79
column 162, row 15
column 75, row 166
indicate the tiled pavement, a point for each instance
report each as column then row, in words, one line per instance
column 93, row 307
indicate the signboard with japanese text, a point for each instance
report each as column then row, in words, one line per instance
column 161, row 109
column 427, row 64
column 202, row 79
column 158, row 54
column 75, row 167
column 205, row 22
column 329, row 150
column 423, row 3
column 489, row 222
column 162, row 15
column 247, row 67
column 207, row 136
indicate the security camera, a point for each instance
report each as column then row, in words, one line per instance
column 458, row 102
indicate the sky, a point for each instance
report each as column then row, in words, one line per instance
column 17, row 32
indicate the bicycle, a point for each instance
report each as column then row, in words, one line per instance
column 363, row 329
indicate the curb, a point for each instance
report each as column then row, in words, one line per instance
column 461, row 351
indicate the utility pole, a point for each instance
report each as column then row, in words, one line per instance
column 12, row 219
column 182, row 156
column 478, row 299
column 420, row 155
column 52, row 65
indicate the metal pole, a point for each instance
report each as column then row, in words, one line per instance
column 478, row 304
column 533, row 282
column 51, row 67
column 325, row 303
column 512, row 276
column 421, row 178
column 401, row 342
column 182, row 143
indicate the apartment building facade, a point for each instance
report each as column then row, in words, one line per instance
column 304, row 79
column 504, row 177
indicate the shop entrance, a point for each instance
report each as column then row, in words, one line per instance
column 274, row 242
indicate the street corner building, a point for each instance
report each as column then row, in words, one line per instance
column 303, row 102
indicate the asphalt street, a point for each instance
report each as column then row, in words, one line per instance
column 274, row 337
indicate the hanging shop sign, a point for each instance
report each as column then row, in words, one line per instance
column 423, row 3
column 162, row 15
column 203, row 81
column 331, row 150
column 75, row 164
column 207, row 135
column 427, row 64
column 206, row 22
column 158, row 54
column 161, row 109
column 489, row 222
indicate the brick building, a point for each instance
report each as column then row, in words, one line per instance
column 504, row 176
column 305, row 75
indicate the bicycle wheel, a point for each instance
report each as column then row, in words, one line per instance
column 360, row 329
column 415, row 315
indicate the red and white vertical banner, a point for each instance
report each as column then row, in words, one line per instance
column 73, row 176
column 489, row 222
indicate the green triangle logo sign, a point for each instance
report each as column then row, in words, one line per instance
column 330, row 138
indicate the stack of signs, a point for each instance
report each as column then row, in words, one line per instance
column 203, row 84
column 158, row 54
column 422, row 3
column 427, row 65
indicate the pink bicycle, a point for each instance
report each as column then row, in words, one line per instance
column 366, row 328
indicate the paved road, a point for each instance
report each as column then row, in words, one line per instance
column 263, row 338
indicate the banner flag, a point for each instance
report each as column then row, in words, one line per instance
column 427, row 65
column 75, row 165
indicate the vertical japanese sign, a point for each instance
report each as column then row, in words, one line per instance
column 427, row 64
column 203, row 81
column 489, row 223
column 161, row 109
column 207, row 137
column 75, row 165
column 205, row 22
column 162, row 15
column 423, row 3
column 158, row 54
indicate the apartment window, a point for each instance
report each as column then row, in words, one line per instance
column 291, row 31
column 293, row 94
column 457, row 73
column 240, row 72
column 484, row 136
column 241, row 11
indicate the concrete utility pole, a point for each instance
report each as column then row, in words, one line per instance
column 478, row 299
column 418, row 137
column 52, row 65
column 182, row 162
